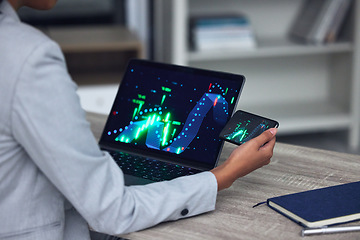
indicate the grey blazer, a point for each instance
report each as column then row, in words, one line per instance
column 54, row 180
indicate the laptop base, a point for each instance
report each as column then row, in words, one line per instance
column 132, row 180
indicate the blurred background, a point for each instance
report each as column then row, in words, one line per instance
column 300, row 57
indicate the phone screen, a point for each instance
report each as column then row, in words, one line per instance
column 244, row 126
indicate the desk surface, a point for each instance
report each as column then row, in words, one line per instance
column 292, row 169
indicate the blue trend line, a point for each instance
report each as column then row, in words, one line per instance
column 195, row 119
column 188, row 132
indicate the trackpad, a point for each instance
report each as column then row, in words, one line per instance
column 132, row 180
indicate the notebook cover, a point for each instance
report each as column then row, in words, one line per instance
column 320, row 207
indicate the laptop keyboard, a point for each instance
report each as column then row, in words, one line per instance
column 149, row 168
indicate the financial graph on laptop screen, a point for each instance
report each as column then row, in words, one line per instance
column 172, row 110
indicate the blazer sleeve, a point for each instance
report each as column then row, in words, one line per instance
column 50, row 125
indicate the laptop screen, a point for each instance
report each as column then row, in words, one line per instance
column 172, row 112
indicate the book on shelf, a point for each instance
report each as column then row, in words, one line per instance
column 320, row 207
column 319, row 21
column 221, row 32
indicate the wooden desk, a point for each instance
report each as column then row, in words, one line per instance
column 291, row 170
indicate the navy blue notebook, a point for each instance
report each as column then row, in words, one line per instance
column 320, row 207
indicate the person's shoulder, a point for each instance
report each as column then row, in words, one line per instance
column 20, row 40
column 16, row 35
column 25, row 35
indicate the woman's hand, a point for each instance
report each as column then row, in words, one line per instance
column 246, row 158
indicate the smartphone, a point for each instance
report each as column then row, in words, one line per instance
column 244, row 126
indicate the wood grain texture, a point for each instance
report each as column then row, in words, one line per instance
column 292, row 169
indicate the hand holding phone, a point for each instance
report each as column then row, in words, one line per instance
column 244, row 126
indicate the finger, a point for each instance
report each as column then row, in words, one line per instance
column 266, row 136
column 269, row 145
column 268, row 149
column 267, row 162
column 270, row 142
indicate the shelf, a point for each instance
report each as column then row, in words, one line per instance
column 303, row 117
column 97, row 78
column 270, row 48
column 96, row 54
column 302, row 77
column 96, row 57
column 95, row 39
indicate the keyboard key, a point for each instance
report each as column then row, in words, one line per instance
column 149, row 168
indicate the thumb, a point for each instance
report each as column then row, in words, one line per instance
column 266, row 136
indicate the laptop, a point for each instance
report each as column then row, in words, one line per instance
column 166, row 119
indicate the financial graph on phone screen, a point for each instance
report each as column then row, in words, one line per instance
column 247, row 128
